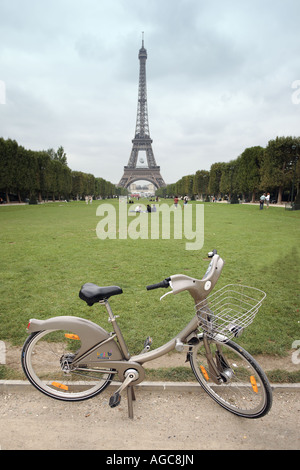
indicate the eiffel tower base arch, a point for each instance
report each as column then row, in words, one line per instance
column 152, row 175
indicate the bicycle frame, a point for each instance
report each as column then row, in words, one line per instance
column 109, row 350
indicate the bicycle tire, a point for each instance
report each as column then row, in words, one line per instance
column 245, row 390
column 41, row 359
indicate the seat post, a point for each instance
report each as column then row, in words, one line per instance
column 109, row 310
column 113, row 320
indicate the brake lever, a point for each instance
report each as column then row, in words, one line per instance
column 170, row 292
column 167, row 293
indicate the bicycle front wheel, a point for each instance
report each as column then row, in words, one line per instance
column 231, row 377
column 47, row 362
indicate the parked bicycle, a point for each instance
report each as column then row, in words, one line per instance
column 71, row 358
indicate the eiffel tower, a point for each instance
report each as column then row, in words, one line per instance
column 142, row 141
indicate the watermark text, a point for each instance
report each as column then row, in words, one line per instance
column 296, row 93
column 2, row 353
column 163, row 222
column 296, row 354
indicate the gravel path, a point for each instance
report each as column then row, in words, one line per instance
column 163, row 419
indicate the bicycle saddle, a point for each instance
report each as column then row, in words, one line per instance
column 91, row 293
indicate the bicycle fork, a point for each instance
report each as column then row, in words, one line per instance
column 219, row 369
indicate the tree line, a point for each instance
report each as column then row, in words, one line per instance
column 45, row 175
column 274, row 169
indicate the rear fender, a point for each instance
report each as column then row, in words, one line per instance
column 89, row 333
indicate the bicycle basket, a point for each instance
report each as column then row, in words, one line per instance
column 229, row 311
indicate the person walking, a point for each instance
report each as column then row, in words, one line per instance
column 261, row 201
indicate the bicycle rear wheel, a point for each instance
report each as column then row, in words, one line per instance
column 231, row 377
column 47, row 362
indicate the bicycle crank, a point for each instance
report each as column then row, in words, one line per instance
column 131, row 375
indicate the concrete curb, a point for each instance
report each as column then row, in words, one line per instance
column 9, row 386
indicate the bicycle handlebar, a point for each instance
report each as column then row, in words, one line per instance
column 165, row 283
column 198, row 288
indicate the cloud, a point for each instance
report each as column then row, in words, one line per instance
column 219, row 77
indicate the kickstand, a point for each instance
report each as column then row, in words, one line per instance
column 130, row 398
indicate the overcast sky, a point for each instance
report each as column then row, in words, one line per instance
column 220, row 78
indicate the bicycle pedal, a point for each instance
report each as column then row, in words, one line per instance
column 114, row 400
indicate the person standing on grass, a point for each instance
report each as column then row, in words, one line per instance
column 175, row 201
column 261, row 201
column 268, row 200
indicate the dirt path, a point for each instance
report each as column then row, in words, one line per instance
column 162, row 420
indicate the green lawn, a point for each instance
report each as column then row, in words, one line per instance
column 48, row 251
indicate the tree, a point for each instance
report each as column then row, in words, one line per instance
column 278, row 165
column 77, row 184
column 59, row 155
column 8, row 165
column 215, row 175
column 228, row 181
column 184, row 187
column 89, row 184
column 200, row 183
column 45, row 169
column 248, row 176
column 62, row 180
column 27, row 173
column 101, row 188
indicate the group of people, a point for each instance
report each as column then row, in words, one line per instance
column 88, row 199
column 149, row 208
column 185, row 201
column 264, row 199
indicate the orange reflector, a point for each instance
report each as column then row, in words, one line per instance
column 204, row 373
column 253, row 383
column 71, row 336
column 61, row 386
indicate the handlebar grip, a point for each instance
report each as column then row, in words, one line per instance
column 212, row 253
column 165, row 283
